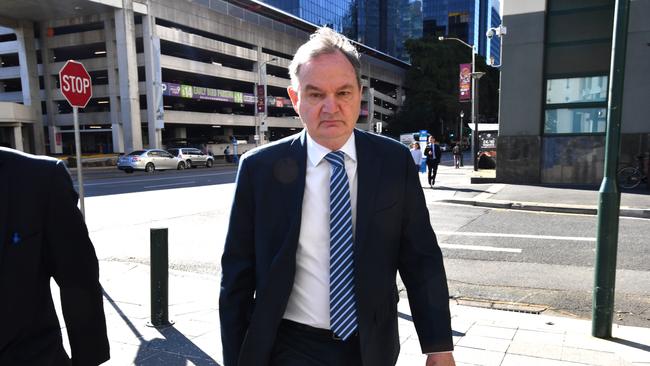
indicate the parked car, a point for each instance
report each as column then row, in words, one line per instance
column 149, row 160
column 192, row 157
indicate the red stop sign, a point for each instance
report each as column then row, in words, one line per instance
column 76, row 85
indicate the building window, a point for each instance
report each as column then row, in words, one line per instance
column 576, row 105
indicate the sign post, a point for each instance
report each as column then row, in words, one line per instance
column 76, row 87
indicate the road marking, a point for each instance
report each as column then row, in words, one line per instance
column 483, row 248
column 152, row 179
column 168, row 185
column 522, row 236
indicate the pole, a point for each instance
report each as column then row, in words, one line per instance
column 609, row 195
column 474, row 111
column 77, row 142
column 460, row 138
column 159, row 278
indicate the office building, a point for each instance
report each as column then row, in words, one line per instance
column 554, row 90
column 164, row 72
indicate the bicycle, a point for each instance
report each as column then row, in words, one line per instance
column 630, row 177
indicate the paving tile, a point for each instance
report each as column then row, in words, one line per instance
column 532, row 336
column 591, row 357
column 491, row 331
column 485, row 343
column 475, row 356
column 534, row 349
column 519, row 360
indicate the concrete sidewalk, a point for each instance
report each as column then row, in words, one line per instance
column 564, row 199
column 481, row 336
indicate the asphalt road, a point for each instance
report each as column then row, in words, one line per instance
column 491, row 255
column 107, row 181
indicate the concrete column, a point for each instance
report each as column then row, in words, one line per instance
column 18, row 137
column 29, row 81
column 111, row 62
column 128, row 76
column 228, row 131
column 49, row 85
column 152, row 74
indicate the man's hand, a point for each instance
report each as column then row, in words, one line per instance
column 441, row 359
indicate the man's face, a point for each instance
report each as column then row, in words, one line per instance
column 327, row 99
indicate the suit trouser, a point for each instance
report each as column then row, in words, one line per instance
column 433, row 170
column 300, row 345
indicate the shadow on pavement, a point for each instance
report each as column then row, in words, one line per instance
column 410, row 319
column 465, row 190
column 636, row 345
column 173, row 349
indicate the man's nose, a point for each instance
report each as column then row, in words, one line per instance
column 329, row 104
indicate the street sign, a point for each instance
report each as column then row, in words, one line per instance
column 76, row 85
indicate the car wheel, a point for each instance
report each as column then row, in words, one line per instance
column 208, row 164
column 188, row 164
column 149, row 168
column 181, row 165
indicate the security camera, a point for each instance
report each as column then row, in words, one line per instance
column 491, row 33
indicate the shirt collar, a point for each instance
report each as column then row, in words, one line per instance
column 316, row 152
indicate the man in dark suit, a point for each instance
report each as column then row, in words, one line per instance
column 320, row 224
column 433, row 154
column 43, row 236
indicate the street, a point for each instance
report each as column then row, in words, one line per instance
column 492, row 256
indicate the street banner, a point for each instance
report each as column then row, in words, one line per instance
column 465, row 83
column 260, row 99
column 158, row 87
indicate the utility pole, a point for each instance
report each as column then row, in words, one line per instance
column 609, row 194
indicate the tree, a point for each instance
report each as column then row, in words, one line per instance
column 432, row 88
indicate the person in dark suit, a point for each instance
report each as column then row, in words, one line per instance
column 43, row 236
column 433, row 154
column 320, row 224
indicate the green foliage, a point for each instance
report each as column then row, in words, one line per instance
column 432, row 88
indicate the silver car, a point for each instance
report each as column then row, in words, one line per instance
column 149, row 160
column 192, row 157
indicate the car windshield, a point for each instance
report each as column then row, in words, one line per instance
column 137, row 152
column 173, row 151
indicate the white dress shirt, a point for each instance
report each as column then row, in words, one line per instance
column 309, row 300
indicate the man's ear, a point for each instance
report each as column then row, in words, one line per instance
column 293, row 95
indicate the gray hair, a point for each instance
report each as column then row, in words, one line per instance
column 324, row 41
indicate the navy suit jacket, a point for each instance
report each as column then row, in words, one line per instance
column 393, row 232
column 43, row 236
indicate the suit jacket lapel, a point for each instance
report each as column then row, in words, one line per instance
column 368, row 172
column 297, row 155
column 4, row 204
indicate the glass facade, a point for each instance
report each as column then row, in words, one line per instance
column 468, row 20
column 332, row 13
column 576, row 105
column 381, row 24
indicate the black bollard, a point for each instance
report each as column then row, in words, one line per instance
column 159, row 278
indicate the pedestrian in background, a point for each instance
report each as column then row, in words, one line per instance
column 226, row 154
column 457, row 152
column 416, row 153
column 43, row 236
column 320, row 223
column 432, row 154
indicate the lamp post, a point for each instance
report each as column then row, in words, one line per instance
column 261, row 115
column 460, row 136
column 475, row 77
column 474, row 110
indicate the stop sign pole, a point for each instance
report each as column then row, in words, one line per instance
column 76, row 87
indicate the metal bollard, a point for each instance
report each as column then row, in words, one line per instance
column 159, row 278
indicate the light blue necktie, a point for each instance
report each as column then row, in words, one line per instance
column 343, row 309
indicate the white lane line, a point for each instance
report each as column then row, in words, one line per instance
column 483, row 248
column 169, row 185
column 152, row 179
column 522, row 236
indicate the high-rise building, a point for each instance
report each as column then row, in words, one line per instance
column 468, row 20
column 381, row 24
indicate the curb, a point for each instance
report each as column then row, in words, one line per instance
column 533, row 206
